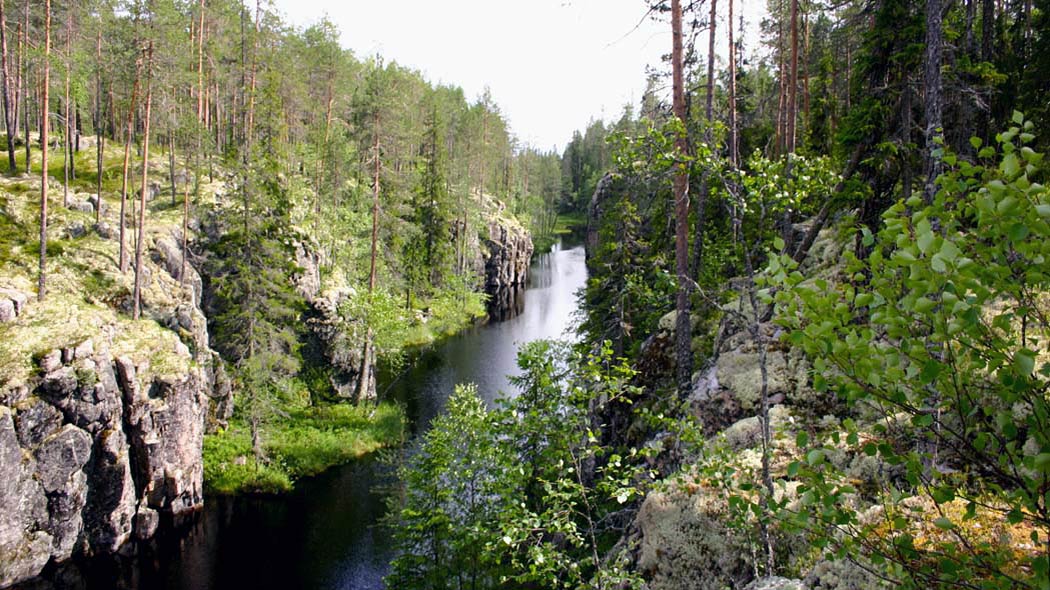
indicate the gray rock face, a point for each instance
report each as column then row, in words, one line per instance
column 509, row 250
column 595, row 210
column 167, row 252
column 92, row 454
column 775, row 583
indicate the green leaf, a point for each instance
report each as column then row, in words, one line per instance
column 778, row 244
column 1011, row 165
column 815, row 457
column 1018, row 117
column 925, row 240
column 1024, row 362
column 802, row 439
column 943, row 523
column 1042, row 462
column 949, row 250
column 1018, row 232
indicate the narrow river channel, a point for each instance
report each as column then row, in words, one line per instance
column 324, row 535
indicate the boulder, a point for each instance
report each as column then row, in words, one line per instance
column 7, row 311
column 684, row 543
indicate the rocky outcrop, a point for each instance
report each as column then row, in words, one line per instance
column 686, row 534
column 595, row 211
column 93, row 449
column 102, row 418
column 506, row 255
column 12, row 302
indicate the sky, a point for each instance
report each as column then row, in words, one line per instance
column 550, row 65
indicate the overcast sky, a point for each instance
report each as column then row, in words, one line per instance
column 551, row 65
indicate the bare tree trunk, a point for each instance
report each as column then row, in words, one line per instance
column 251, row 90
column 99, row 134
column 127, row 165
column 19, row 77
column 805, row 70
column 987, row 28
column 934, row 97
column 705, row 181
column 683, row 327
column 141, row 229
column 780, row 134
column 200, row 65
column 42, row 280
column 67, row 145
column 9, row 115
column 25, row 115
column 734, row 148
column 792, row 105
column 171, row 159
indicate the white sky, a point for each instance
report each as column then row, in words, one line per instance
column 551, row 65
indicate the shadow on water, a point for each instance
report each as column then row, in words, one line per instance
column 325, row 534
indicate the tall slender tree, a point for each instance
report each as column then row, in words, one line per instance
column 734, row 137
column 100, row 135
column 683, row 327
column 141, row 226
column 127, row 165
column 44, row 101
column 705, row 182
column 934, row 99
column 5, row 79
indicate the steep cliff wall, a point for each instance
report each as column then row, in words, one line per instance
column 102, row 418
column 503, row 260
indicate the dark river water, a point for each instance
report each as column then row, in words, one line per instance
column 325, row 534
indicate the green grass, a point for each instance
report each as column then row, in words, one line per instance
column 306, row 442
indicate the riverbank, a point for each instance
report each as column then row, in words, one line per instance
column 306, row 442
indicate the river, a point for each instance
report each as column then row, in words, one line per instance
column 324, row 534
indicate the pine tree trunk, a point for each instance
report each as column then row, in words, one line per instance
column 26, row 117
column 734, row 148
column 67, row 126
column 42, row 279
column 200, row 66
column 705, row 181
column 251, row 90
column 99, row 135
column 19, row 80
column 683, row 327
column 934, row 94
column 792, row 96
column 780, row 133
column 126, row 168
column 9, row 115
column 141, row 229
column 171, row 160
column 805, row 71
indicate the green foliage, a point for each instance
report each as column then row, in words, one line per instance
column 942, row 329
column 515, row 497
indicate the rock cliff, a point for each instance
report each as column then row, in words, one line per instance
column 102, row 418
column 503, row 260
